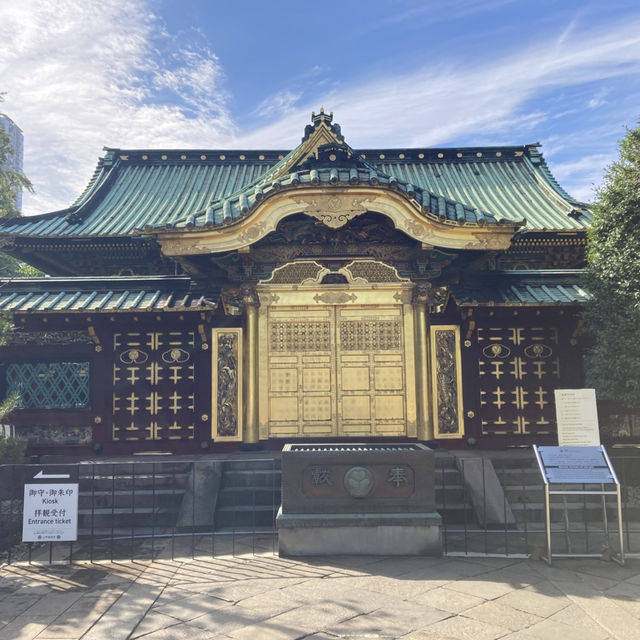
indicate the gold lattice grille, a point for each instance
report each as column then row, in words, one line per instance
column 373, row 271
column 296, row 273
column 364, row 335
column 300, row 336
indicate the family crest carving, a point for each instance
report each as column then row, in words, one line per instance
column 333, row 210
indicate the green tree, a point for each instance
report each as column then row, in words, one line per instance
column 612, row 318
column 10, row 403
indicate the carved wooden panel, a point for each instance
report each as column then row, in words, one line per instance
column 518, row 367
column 226, row 410
column 153, row 385
column 446, row 381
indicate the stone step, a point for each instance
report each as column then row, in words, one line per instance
column 126, row 518
column 253, row 464
column 125, row 499
column 230, row 496
column 133, row 468
column 129, row 482
column 243, row 516
column 251, row 478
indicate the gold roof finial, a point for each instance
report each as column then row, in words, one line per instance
column 321, row 117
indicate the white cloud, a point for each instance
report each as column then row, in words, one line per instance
column 79, row 75
column 490, row 100
column 277, row 104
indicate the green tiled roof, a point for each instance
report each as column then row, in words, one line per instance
column 106, row 295
column 534, row 288
column 163, row 293
column 135, row 190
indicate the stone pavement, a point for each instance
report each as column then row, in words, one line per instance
column 264, row 597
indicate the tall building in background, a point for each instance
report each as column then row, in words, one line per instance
column 14, row 160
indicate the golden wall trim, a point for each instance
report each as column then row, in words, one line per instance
column 446, row 381
column 227, row 411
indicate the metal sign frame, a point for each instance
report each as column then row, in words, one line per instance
column 581, row 474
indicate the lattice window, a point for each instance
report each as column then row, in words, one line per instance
column 366, row 335
column 300, row 336
column 50, row 385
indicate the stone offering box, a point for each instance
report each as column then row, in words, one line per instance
column 358, row 498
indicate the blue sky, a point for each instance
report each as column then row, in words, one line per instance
column 83, row 74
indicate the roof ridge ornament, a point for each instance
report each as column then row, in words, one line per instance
column 323, row 121
column 322, row 116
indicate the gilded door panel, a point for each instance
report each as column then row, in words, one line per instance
column 355, row 379
column 371, row 371
column 388, row 378
column 390, row 408
column 301, row 373
column 337, row 370
column 283, row 379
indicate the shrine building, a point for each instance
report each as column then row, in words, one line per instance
column 203, row 300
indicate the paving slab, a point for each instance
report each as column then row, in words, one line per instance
column 578, row 618
column 394, row 620
column 554, row 630
column 22, row 628
column 502, row 615
column 268, row 598
column 462, row 628
column 448, row 600
column 543, row 599
column 122, row 618
column 617, row 621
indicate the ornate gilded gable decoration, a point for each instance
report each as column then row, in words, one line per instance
column 447, row 382
column 303, row 271
column 319, row 136
column 312, row 273
column 153, row 385
column 326, row 179
column 519, row 367
column 371, row 271
column 333, row 210
column 226, row 385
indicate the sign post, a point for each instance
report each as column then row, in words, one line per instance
column 578, row 466
column 50, row 512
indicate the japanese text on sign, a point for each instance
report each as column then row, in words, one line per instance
column 50, row 512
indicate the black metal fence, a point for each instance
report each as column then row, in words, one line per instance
column 149, row 509
column 500, row 510
column 187, row 507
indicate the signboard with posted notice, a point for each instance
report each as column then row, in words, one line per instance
column 577, row 417
column 50, row 512
column 579, row 471
column 576, row 465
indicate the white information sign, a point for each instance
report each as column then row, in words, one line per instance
column 577, row 418
column 50, row 512
column 575, row 465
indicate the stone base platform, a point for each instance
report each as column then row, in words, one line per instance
column 405, row 534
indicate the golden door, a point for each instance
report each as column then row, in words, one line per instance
column 336, row 371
